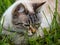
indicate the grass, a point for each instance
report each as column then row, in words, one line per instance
column 50, row 38
column 4, row 4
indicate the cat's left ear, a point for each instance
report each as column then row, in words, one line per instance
column 37, row 5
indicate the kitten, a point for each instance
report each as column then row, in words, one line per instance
column 23, row 15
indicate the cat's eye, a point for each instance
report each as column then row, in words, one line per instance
column 27, row 25
column 18, row 23
column 37, row 25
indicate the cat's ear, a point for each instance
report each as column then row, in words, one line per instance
column 20, row 8
column 37, row 5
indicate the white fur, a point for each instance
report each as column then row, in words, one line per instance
column 44, row 24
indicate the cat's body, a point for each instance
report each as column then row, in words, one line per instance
column 44, row 23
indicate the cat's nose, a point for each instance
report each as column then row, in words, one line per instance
column 31, row 30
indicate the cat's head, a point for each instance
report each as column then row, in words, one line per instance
column 25, row 16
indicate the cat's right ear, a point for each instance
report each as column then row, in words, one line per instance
column 19, row 9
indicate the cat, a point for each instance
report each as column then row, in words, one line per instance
column 24, row 14
column 13, row 16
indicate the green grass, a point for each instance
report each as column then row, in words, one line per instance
column 4, row 4
column 50, row 38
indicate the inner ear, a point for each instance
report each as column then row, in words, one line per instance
column 37, row 5
column 19, row 9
